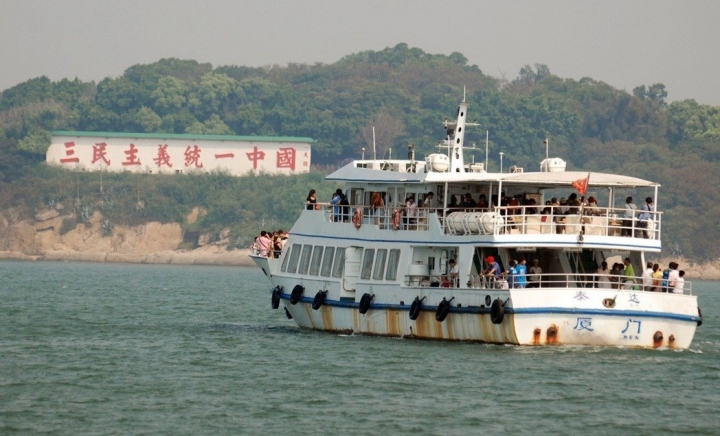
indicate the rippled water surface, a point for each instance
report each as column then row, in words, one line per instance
column 128, row 349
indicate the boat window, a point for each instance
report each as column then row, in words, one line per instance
column 367, row 263
column 285, row 263
column 392, row 265
column 294, row 256
column 339, row 263
column 327, row 261
column 305, row 259
column 379, row 269
column 316, row 258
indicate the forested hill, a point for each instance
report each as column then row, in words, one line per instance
column 403, row 92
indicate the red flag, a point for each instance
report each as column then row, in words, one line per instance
column 581, row 185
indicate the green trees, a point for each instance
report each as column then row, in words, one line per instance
column 405, row 93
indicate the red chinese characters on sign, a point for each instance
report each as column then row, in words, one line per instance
column 70, row 152
column 286, row 158
column 225, row 156
column 100, row 153
column 255, row 156
column 131, row 156
column 192, row 156
column 163, row 158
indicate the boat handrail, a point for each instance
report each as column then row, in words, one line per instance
column 501, row 220
column 547, row 280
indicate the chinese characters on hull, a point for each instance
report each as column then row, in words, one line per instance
column 192, row 157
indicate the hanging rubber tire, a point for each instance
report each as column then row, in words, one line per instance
column 699, row 323
column 296, row 294
column 442, row 310
column 276, row 297
column 365, row 303
column 319, row 300
column 415, row 308
column 288, row 314
column 497, row 311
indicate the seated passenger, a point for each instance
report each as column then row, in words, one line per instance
column 468, row 201
column 592, row 207
column 482, row 202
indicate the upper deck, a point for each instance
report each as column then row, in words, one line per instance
column 519, row 226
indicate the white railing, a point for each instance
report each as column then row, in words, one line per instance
column 608, row 281
column 506, row 220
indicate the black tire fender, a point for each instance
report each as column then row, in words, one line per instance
column 319, row 300
column 442, row 310
column 296, row 294
column 415, row 308
column 365, row 303
column 497, row 311
column 276, row 297
column 699, row 323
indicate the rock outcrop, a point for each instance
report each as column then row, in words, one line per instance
column 94, row 241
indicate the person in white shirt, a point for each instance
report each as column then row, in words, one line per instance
column 679, row 283
column 647, row 277
column 673, row 276
column 534, row 276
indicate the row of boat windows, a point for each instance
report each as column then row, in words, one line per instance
column 330, row 261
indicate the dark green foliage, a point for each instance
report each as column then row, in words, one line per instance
column 402, row 91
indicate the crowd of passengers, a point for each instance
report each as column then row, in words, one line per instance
column 621, row 276
column 269, row 244
column 635, row 221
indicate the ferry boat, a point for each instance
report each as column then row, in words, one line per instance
column 440, row 268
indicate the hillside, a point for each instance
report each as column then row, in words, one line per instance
column 402, row 91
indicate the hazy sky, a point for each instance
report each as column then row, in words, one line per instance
column 624, row 43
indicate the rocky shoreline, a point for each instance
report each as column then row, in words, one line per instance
column 42, row 239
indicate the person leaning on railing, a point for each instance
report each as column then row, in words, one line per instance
column 647, row 210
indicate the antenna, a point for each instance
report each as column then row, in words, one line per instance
column 546, row 148
column 487, row 146
column 374, row 152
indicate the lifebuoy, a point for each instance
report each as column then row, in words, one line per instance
column 497, row 311
column 296, row 294
column 357, row 218
column 442, row 310
column 396, row 217
column 319, row 300
column 276, row 297
column 415, row 308
column 365, row 303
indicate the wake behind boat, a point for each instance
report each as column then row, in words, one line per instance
column 414, row 254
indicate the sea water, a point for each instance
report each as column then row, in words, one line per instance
column 159, row 349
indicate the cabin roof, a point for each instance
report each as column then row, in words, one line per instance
column 350, row 173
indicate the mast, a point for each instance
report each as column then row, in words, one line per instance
column 457, row 160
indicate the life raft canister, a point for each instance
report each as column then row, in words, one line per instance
column 396, row 216
column 357, row 218
column 442, row 310
column 497, row 311
column 319, row 300
column 415, row 308
column 276, row 297
column 296, row 294
column 365, row 303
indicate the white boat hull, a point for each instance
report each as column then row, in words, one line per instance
column 626, row 325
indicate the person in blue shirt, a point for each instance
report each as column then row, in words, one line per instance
column 336, row 205
column 521, row 269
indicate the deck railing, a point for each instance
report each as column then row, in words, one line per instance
column 580, row 281
column 506, row 220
